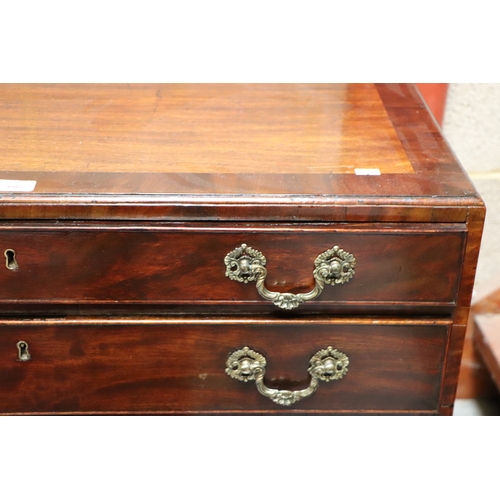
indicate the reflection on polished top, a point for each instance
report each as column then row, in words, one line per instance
column 224, row 152
column 238, row 128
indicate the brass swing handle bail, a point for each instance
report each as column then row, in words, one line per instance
column 246, row 364
column 333, row 267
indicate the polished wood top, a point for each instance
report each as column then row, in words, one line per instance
column 226, row 152
column 254, row 129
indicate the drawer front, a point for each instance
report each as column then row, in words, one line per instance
column 179, row 365
column 400, row 264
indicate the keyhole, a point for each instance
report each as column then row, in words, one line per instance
column 10, row 260
column 22, row 348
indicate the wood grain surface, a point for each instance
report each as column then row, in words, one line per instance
column 178, row 365
column 385, row 126
column 184, row 264
column 174, row 128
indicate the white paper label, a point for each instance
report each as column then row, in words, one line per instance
column 367, row 171
column 10, row 186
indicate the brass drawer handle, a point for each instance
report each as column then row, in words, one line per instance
column 246, row 364
column 333, row 267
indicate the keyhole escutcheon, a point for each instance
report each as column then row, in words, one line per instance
column 23, row 351
column 10, row 260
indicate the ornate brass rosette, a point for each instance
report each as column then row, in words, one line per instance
column 242, row 262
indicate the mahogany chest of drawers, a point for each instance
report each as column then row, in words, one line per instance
column 231, row 249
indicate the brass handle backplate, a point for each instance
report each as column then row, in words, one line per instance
column 326, row 365
column 333, row 267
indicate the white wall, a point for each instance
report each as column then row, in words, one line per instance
column 472, row 127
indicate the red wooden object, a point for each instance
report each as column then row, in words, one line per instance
column 434, row 95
